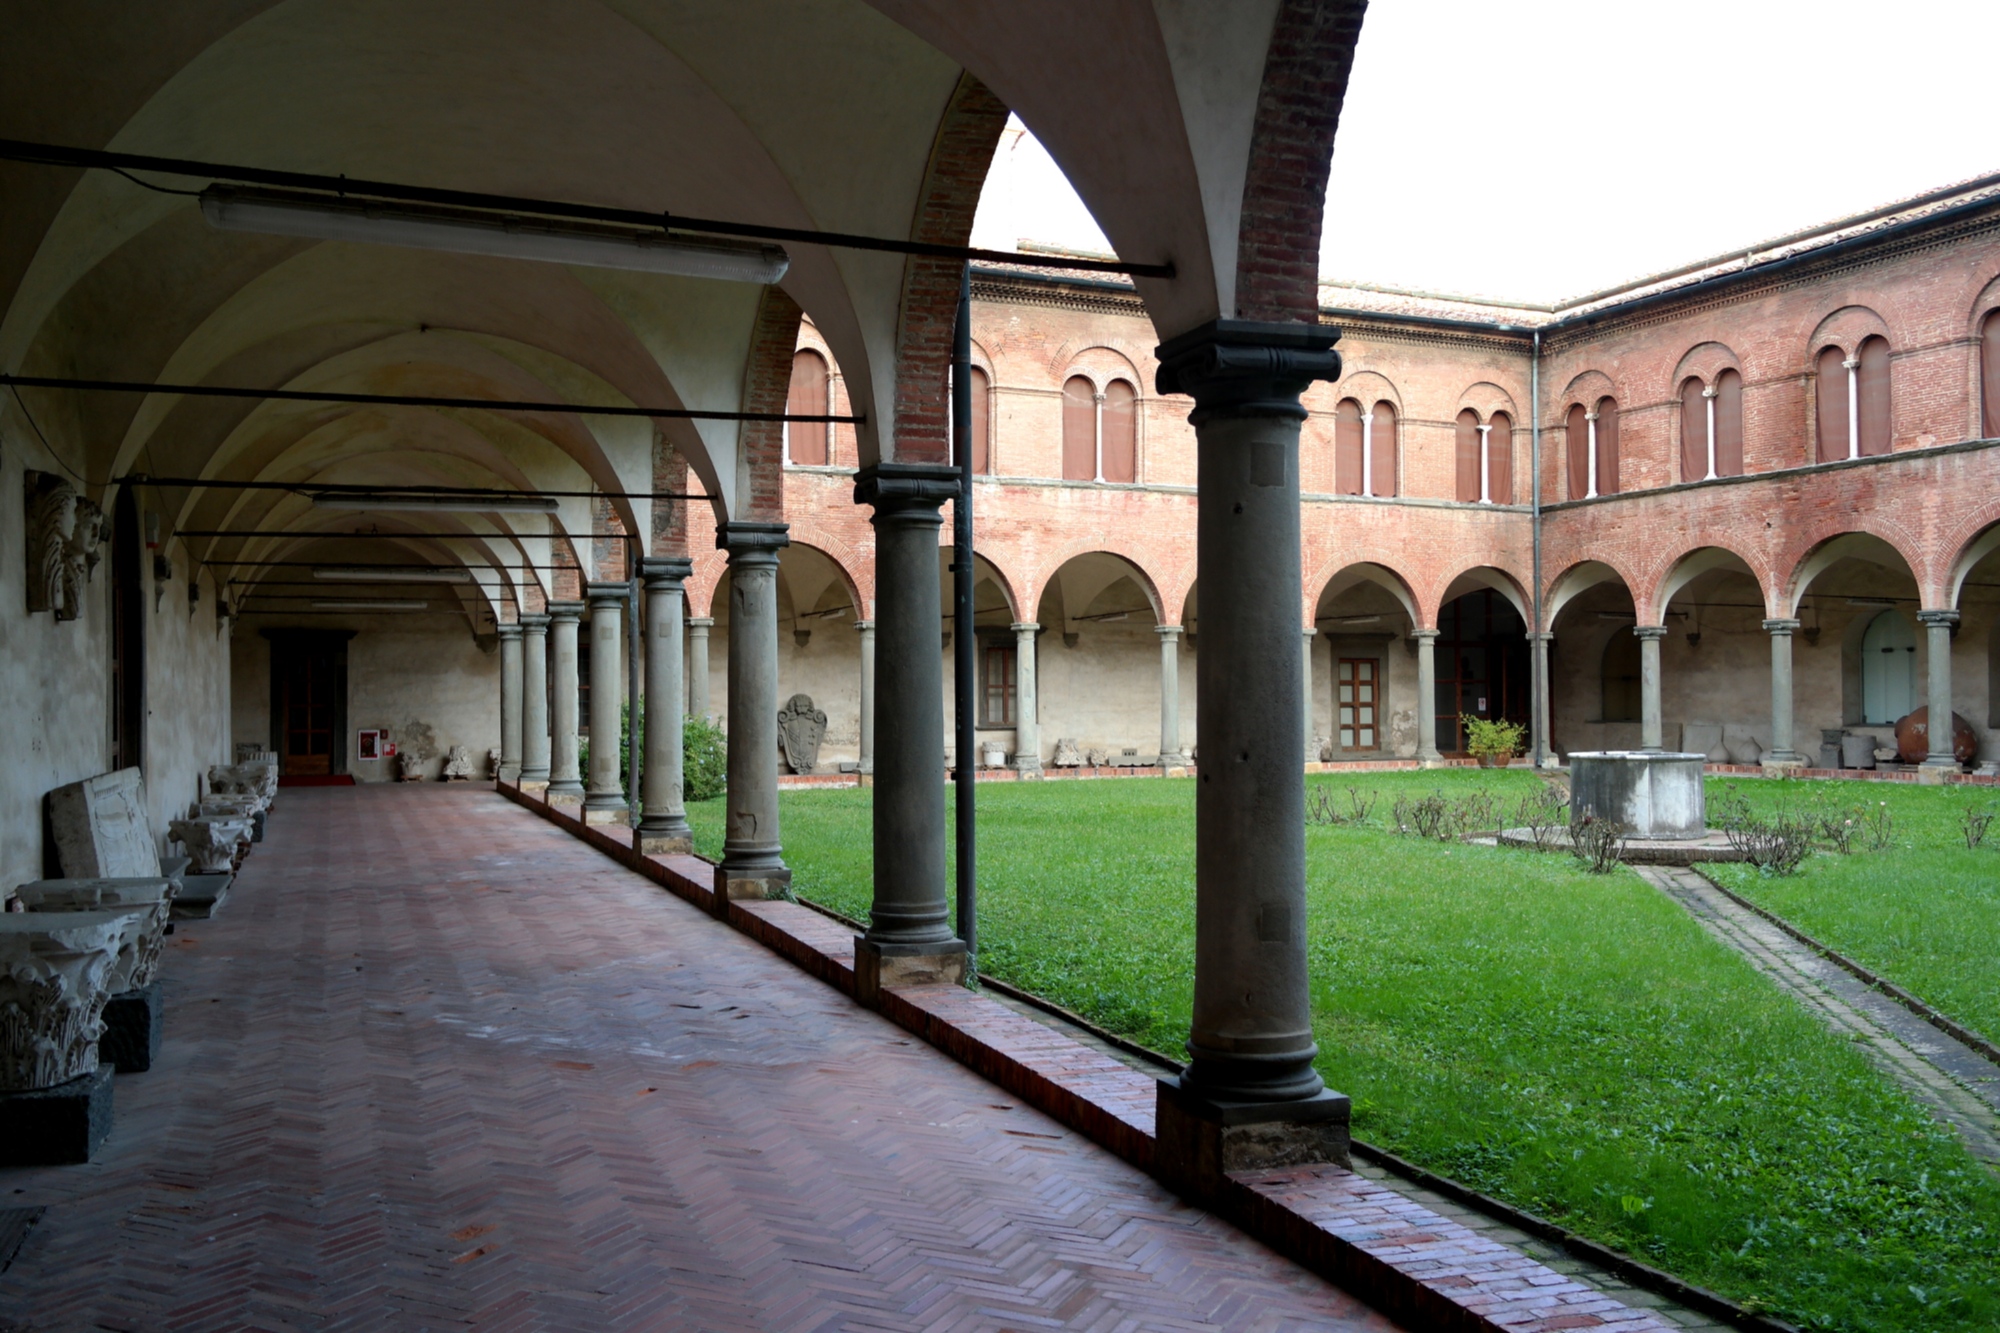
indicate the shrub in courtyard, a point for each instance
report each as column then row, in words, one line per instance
column 1427, row 817
column 1598, row 843
column 704, row 759
column 1321, row 808
column 1777, row 844
column 1973, row 823
column 1544, row 813
column 1878, row 824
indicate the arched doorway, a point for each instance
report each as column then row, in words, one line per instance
column 1888, row 668
column 1482, row 665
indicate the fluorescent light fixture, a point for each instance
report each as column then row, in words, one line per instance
column 397, row 605
column 504, row 235
column 440, row 504
column 389, row 574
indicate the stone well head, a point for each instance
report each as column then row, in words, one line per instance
column 1655, row 795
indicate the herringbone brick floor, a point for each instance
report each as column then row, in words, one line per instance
column 438, row 1066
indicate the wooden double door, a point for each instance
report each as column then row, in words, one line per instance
column 309, row 702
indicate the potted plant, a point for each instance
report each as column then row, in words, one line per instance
column 1494, row 742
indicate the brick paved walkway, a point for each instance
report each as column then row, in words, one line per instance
column 441, row 1066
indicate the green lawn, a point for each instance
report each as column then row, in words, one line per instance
column 1572, row 1043
column 1925, row 914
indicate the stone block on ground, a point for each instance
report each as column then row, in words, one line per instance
column 132, row 1030
column 101, row 827
column 202, row 895
column 58, row 1126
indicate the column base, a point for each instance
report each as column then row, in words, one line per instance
column 535, row 787
column 1200, row 1140
column 1029, row 770
column 1790, row 763
column 664, row 840
column 749, row 883
column 570, row 795
column 606, row 810
column 878, row 965
column 1932, row 772
column 57, row 1126
column 510, row 774
column 132, row 1030
column 1431, row 760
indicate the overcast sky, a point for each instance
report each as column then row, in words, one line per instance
column 1547, row 148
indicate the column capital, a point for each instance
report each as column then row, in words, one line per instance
column 508, row 629
column 1026, row 627
column 1174, row 631
column 1643, row 632
column 535, row 624
column 865, row 626
column 1541, row 636
column 701, row 622
column 664, row 573
column 753, row 542
column 1781, row 625
column 565, row 611
column 1424, row 635
column 1247, row 368
column 1940, row 618
column 897, row 487
column 606, row 591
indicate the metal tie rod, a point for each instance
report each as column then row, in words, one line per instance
column 59, row 155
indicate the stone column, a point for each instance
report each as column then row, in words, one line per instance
column 1170, row 696
column 1250, row 1095
column 1027, row 703
column 604, row 802
column 1543, row 752
column 510, row 703
column 697, row 665
column 1649, row 637
column 663, row 827
column 1427, row 688
column 867, row 628
column 1306, row 695
column 1781, row 754
column 534, row 703
column 1939, row 623
column 753, row 863
column 565, row 782
column 909, row 939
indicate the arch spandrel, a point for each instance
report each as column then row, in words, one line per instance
column 1335, row 579
column 1683, row 569
column 1577, row 579
column 1818, row 548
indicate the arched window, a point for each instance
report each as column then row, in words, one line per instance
column 1500, row 459
column 1468, row 456
column 1379, row 478
column 1593, row 449
column 1989, row 376
column 1119, row 432
column 1853, row 401
column 1079, row 430
column 1620, row 677
column 1485, row 459
column 1871, row 387
column 982, row 453
column 806, row 441
column 1888, row 668
column 1712, row 428
column 1347, row 434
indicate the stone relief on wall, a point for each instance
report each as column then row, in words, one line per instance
column 801, row 728
column 65, row 540
column 457, row 765
column 53, row 984
column 419, row 743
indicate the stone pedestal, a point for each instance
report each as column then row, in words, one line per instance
column 59, row 1126
column 534, row 703
column 1655, row 795
column 752, row 851
column 663, row 828
column 132, row 1030
column 878, row 966
column 1200, row 1139
column 202, row 896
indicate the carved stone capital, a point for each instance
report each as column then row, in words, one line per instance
column 753, row 543
column 1643, row 632
column 146, row 905
column 211, row 840
column 914, row 489
column 665, row 573
column 1245, row 368
column 54, row 975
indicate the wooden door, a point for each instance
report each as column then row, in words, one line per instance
column 1356, row 700
column 308, row 681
